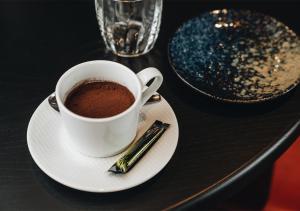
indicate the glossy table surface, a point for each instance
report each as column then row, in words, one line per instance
column 221, row 146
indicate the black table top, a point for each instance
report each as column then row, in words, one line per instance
column 221, row 146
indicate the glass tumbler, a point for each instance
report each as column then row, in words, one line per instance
column 129, row 27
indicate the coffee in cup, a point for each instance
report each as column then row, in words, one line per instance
column 99, row 99
column 102, row 130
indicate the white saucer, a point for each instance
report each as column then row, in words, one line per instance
column 48, row 145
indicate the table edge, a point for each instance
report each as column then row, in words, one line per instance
column 269, row 154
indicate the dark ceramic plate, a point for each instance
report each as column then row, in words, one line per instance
column 236, row 56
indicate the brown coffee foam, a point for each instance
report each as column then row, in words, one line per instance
column 99, row 99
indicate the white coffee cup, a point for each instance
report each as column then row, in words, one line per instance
column 103, row 137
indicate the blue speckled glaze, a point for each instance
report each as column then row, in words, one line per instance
column 238, row 56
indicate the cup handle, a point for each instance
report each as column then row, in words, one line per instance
column 145, row 76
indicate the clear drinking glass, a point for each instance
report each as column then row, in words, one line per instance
column 129, row 27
